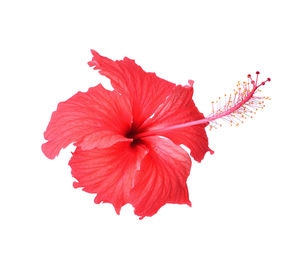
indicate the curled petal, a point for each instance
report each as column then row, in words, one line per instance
column 96, row 118
column 162, row 177
column 108, row 172
column 101, row 139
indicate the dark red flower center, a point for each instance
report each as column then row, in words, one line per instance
column 132, row 134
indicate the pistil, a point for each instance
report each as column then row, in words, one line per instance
column 237, row 107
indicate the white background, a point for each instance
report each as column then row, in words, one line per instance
column 245, row 197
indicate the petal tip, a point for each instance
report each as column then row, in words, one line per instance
column 191, row 82
column 76, row 185
column 97, row 200
column 94, row 52
column 117, row 209
column 47, row 152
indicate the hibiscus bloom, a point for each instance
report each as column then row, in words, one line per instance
column 128, row 139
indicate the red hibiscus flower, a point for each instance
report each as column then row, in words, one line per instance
column 128, row 139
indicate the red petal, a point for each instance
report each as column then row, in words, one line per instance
column 97, row 118
column 162, row 178
column 145, row 90
column 179, row 108
column 108, row 172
